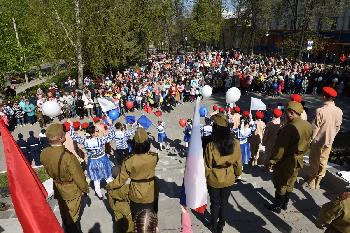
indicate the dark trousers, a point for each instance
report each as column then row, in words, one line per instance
column 218, row 206
column 138, row 207
column 120, row 155
column 36, row 156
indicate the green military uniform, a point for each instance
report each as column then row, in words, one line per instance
column 69, row 182
column 335, row 215
column 221, row 172
column 292, row 143
column 140, row 168
column 120, row 203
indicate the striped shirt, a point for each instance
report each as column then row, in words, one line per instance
column 121, row 139
column 243, row 133
column 95, row 147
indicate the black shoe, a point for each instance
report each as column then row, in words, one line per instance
column 285, row 202
column 273, row 208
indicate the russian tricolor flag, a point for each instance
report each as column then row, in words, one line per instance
column 195, row 183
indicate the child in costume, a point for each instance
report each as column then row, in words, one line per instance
column 187, row 132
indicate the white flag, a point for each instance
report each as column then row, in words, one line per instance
column 257, row 104
column 194, row 179
column 106, row 103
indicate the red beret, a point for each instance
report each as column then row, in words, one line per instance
column 296, row 98
column 259, row 115
column 246, row 113
column 95, row 119
column 328, row 91
column 76, row 125
column 277, row 113
column 66, row 126
column 237, row 109
column 85, row 125
column 222, row 109
column 215, row 107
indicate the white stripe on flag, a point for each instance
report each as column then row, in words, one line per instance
column 195, row 181
column 106, row 103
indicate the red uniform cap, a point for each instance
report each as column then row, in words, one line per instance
column 237, row 109
column 222, row 109
column 246, row 113
column 76, row 125
column 215, row 107
column 296, row 97
column 96, row 119
column 66, row 126
column 328, row 91
column 259, row 115
column 85, row 125
column 277, row 113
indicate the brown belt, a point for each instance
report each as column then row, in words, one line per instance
column 143, row 180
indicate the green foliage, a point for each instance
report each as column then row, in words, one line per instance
column 41, row 173
column 206, row 22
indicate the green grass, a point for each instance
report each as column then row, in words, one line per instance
column 39, row 171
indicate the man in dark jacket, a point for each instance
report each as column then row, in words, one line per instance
column 34, row 148
column 23, row 145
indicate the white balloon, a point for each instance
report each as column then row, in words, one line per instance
column 207, row 91
column 319, row 79
column 335, row 80
column 233, row 95
column 51, row 108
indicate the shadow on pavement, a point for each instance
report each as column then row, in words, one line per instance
column 170, row 189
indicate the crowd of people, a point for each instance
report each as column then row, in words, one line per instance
column 232, row 139
column 167, row 80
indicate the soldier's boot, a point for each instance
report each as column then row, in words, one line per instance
column 277, row 204
column 286, row 200
column 318, row 182
column 221, row 225
column 310, row 184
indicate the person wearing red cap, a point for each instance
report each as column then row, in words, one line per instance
column 256, row 138
column 222, row 110
column 246, row 114
column 96, row 119
column 270, row 135
column 326, row 125
column 69, row 144
column 235, row 118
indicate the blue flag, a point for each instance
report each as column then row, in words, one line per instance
column 130, row 119
column 144, row 122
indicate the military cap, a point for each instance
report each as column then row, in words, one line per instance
column 76, row 125
column 54, row 130
column 140, row 135
column 66, row 126
column 220, row 120
column 237, row 109
column 277, row 113
column 215, row 107
column 259, row 115
column 96, row 119
column 295, row 106
column 329, row 91
column 85, row 125
column 222, row 109
column 246, row 113
column 296, row 97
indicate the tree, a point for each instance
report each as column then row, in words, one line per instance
column 206, row 22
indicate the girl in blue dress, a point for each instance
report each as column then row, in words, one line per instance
column 98, row 164
column 162, row 135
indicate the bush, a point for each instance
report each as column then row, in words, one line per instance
column 39, row 171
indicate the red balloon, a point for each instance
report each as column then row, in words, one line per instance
column 182, row 122
column 129, row 104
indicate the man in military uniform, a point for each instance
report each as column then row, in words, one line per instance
column 287, row 158
column 335, row 215
column 23, row 145
column 68, row 178
column 34, row 148
column 326, row 125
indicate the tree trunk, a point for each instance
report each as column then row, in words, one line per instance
column 19, row 46
column 80, row 63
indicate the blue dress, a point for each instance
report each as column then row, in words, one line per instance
column 98, row 164
column 243, row 134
